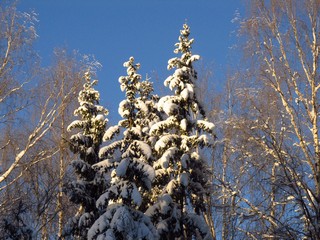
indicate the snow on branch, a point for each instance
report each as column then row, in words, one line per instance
column 111, row 131
column 165, row 141
column 105, row 151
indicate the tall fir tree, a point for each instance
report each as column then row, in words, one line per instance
column 181, row 173
column 126, row 162
column 85, row 190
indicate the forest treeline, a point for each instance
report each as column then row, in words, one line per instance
column 197, row 163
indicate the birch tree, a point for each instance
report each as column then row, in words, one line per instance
column 275, row 126
column 16, row 38
column 37, row 186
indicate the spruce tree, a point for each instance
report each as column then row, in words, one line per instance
column 181, row 173
column 126, row 162
column 86, row 142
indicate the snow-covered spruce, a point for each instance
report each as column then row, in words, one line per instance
column 86, row 142
column 126, row 161
column 181, row 181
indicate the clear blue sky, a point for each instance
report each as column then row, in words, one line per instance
column 114, row 30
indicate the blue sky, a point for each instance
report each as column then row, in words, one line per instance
column 114, row 30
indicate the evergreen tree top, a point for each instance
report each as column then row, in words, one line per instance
column 184, row 44
column 184, row 47
column 146, row 89
column 89, row 94
column 130, row 83
column 93, row 116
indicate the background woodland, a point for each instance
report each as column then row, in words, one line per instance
column 257, row 137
